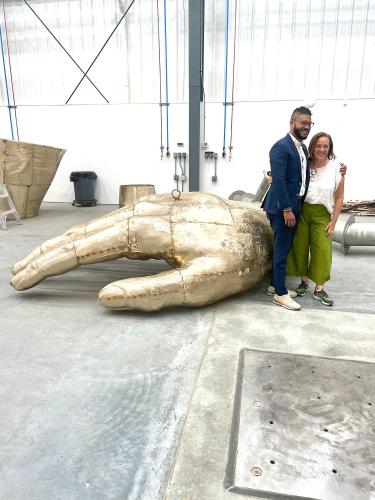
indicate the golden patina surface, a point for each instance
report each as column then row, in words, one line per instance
column 216, row 247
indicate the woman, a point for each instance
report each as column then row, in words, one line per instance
column 311, row 254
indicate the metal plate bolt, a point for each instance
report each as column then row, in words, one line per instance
column 256, row 471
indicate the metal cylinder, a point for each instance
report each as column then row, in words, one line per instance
column 248, row 197
column 241, row 196
column 262, row 189
column 354, row 230
column 130, row 193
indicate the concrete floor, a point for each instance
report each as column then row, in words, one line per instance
column 119, row 405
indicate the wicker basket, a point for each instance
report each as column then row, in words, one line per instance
column 27, row 171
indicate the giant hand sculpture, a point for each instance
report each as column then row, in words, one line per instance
column 217, row 248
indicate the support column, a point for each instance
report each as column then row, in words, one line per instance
column 196, row 50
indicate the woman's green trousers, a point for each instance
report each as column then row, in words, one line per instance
column 311, row 252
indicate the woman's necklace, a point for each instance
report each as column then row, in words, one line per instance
column 316, row 166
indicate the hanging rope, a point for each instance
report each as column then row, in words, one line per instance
column 11, row 73
column 160, row 101
column 6, row 84
column 166, row 77
column 234, row 63
column 225, row 79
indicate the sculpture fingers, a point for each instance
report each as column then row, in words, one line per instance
column 145, row 229
column 204, row 281
column 48, row 246
column 123, row 235
column 73, row 234
column 109, row 244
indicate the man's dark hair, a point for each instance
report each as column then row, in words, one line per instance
column 302, row 110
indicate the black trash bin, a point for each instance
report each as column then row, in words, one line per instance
column 84, row 188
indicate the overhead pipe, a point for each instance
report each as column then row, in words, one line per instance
column 6, row 84
column 233, row 73
column 166, row 78
column 201, row 74
column 225, row 79
column 160, row 99
column 11, row 73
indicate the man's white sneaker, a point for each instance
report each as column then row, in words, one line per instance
column 271, row 291
column 286, row 301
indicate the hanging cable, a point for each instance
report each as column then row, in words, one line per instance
column 234, row 64
column 166, row 77
column 160, row 101
column 184, row 61
column 6, row 84
column 10, row 72
column 225, row 78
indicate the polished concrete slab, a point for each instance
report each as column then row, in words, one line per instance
column 345, row 331
column 92, row 402
column 302, row 426
column 112, row 405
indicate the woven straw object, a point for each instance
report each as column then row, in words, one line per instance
column 27, row 171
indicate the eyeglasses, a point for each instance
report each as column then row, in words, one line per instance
column 306, row 124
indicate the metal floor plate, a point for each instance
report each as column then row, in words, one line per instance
column 303, row 427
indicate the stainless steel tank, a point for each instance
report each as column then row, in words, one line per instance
column 354, row 230
column 257, row 197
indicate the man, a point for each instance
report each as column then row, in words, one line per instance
column 290, row 179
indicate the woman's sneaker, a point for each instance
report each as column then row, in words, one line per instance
column 302, row 289
column 286, row 301
column 323, row 297
column 271, row 291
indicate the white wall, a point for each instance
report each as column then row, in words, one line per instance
column 121, row 143
column 258, row 125
column 285, row 51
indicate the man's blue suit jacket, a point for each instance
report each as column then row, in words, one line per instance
column 286, row 177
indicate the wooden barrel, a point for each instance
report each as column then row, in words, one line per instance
column 27, row 171
column 130, row 193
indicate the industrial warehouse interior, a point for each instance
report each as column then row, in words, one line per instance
column 143, row 355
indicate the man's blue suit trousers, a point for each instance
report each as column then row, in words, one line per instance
column 283, row 238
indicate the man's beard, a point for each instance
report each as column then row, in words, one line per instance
column 299, row 136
